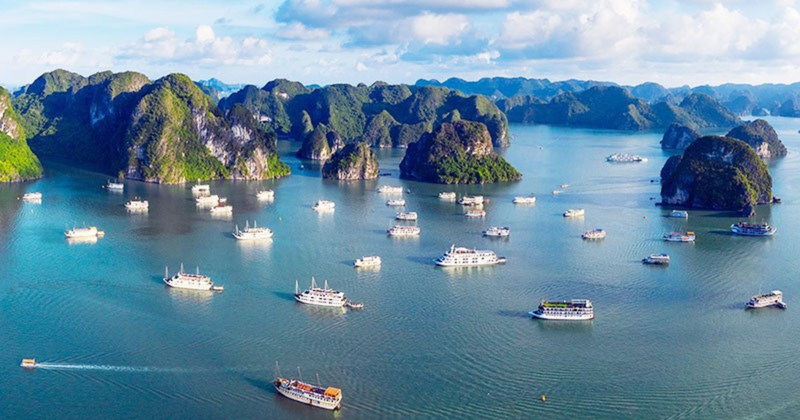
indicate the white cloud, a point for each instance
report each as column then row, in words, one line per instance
column 299, row 31
column 430, row 28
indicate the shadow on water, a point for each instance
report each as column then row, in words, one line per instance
column 261, row 384
column 284, row 296
column 421, row 260
column 513, row 314
column 157, row 279
column 564, row 326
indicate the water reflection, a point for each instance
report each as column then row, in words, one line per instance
column 82, row 240
column 188, row 295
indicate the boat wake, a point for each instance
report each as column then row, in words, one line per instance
column 110, row 368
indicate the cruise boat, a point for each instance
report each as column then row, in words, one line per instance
column 556, row 192
column 196, row 281
column 115, row 186
column 319, row 296
column 324, row 205
column 411, row 216
column 656, row 259
column 447, row 195
column 329, row 398
column 86, row 232
column 265, row 194
column 389, row 189
column 594, row 234
column 528, row 199
column 28, row 363
column 471, row 201
column 564, row 186
column 574, row 213
column 396, row 203
column 773, row 298
column 32, row 196
column 466, row 257
column 398, row 230
column 683, row 214
column 679, row 237
column 475, row 213
column 565, row 310
column 207, row 200
column 749, row 229
column 222, row 209
column 250, row 233
column 139, row 205
column 624, row 157
column 497, row 231
column 371, row 261
column 201, row 188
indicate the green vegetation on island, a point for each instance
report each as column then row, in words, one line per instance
column 460, row 152
column 17, row 161
column 353, row 161
column 760, row 135
column 716, row 173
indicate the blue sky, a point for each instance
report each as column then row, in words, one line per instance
column 672, row 42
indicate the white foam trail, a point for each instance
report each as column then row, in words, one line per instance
column 131, row 369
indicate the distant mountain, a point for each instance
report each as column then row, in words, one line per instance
column 616, row 108
column 165, row 131
column 217, row 89
column 381, row 115
column 504, row 87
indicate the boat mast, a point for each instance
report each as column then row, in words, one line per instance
column 296, row 288
column 299, row 375
column 166, row 272
column 181, row 267
column 318, row 379
column 277, row 370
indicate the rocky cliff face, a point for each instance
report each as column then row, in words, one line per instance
column 678, row 137
column 17, row 161
column 354, row 161
column 320, row 144
column 760, row 135
column 716, row 173
column 460, row 152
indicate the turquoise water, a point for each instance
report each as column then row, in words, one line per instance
column 667, row 342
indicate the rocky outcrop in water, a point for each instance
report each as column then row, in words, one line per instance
column 760, row 135
column 716, row 173
column 320, row 144
column 678, row 137
column 460, row 152
column 354, row 161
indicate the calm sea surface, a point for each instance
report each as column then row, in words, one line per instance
column 667, row 342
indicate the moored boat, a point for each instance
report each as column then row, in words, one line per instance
column 85, row 232
column 32, row 196
column 222, row 209
column 496, row 231
column 329, row 398
column 680, row 236
column 196, row 281
column 679, row 213
column 265, row 194
column 597, row 233
column 390, row 189
column 574, row 213
column 774, row 298
column 656, row 259
column 750, row 229
column 624, row 157
column 399, row 230
column 115, row 186
column 371, row 261
column 201, row 188
column 411, row 216
column 207, row 200
column 564, row 310
column 319, row 296
column 396, row 203
column 250, row 233
column 466, row 257
column 324, row 205
column 529, row 199
column 447, row 195
column 475, row 213
column 467, row 200
column 139, row 205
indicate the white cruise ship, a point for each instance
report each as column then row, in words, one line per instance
column 466, row 257
column 750, row 229
column 32, row 196
column 137, row 205
column 496, row 231
column 476, row 200
column 250, row 233
column 86, row 232
column 201, row 188
column 447, row 195
column 329, row 398
column 774, row 298
column 115, row 186
column 399, row 230
column 683, row 214
column 389, row 189
column 222, row 209
column 196, row 281
column 564, row 310
column 319, row 296
column 679, row 237
column 396, row 203
column 475, row 213
column 656, row 259
column 594, row 234
column 574, row 213
column 411, row 216
column 207, row 200
column 265, row 194
column 371, row 261
column 624, row 157
column 324, row 205
column 528, row 199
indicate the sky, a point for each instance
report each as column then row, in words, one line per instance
column 672, row 42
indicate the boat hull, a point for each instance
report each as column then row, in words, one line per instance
column 188, row 286
column 440, row 263
column 296, row 396
column 537, row 315
column 335, row 304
